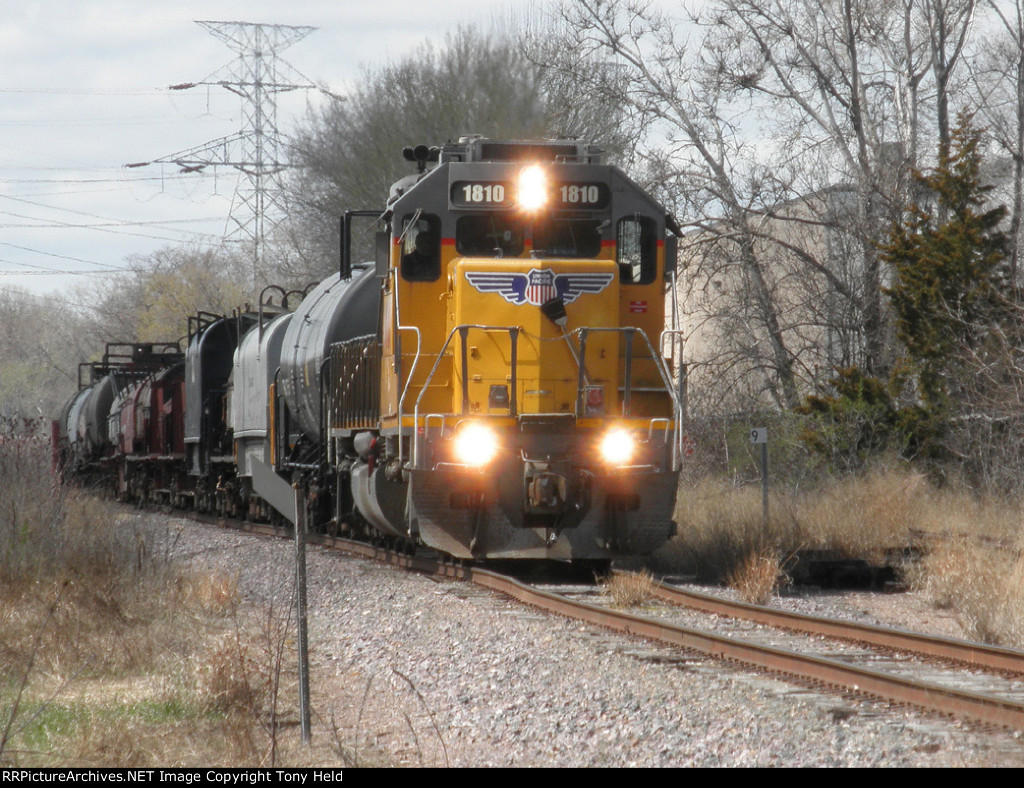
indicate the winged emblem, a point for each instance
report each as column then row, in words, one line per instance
column 539, row 285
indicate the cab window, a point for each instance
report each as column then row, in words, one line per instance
column 489, row 235
column 637, row 250
column 421, row 248
column 566, row 238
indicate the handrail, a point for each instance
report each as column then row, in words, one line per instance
column 631, row 330
column 463, row 331
column 415, row 362
column 680, row 366
column 513, row 331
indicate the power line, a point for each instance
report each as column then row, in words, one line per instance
column 58, row 256
column 54, row 224
column 107, row 224
column 89, row 91
column 48, row 298
column 70, row 181
column 56, row 272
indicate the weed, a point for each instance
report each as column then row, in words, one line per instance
column 228, row 679
column 757, row 577
column 628, row 589
column 213, row 593
column 981, row 585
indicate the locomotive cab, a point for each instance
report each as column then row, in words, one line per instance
column 523, row 409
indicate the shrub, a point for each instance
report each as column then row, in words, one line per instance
column 757, row 577
column 628, row 589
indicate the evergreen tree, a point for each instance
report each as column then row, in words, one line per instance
column 953, row 316
column 949, row 260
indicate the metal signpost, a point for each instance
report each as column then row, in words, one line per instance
column 759, row 435
column 300, row 609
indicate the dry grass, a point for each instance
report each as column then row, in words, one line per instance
column 757, row 577
column 981, row 584
column 860, row 516
column 974, row 566
column 113, row 655
column 212, row 592
column 887, row 508
column 720, row 526
column 628, row 589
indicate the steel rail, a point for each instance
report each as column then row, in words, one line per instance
column 976, row 655
column 988, row 710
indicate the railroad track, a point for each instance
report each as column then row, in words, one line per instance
column 995, row 708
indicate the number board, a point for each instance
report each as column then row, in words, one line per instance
column 501, row 194
column 482, row 194
column 581, row 195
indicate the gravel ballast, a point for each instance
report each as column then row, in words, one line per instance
column 438, row 673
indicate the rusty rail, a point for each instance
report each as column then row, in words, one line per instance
column 976, row 655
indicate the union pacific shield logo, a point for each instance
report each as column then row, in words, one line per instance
column 539, row 285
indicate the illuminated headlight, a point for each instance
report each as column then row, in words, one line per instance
column 475, row 444
column 533, row 188
column 617, row 447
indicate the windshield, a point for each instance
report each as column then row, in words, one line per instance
column 490, row 235
column 504, row 235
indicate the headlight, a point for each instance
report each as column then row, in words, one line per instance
column 617, row 447
column 533, row 188
column 475, row 444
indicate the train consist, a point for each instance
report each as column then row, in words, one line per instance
column 492, row 384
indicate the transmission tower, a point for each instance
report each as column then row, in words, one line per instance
column 257, row 75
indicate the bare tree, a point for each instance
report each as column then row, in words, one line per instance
column 783, row 132
column 997, row 76
column 476, row 82
column 949, row 24
column 41, row 342
column 842, row 81
column 154, row 299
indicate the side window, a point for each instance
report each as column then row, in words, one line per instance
column 489, row 235
column 637, row 250
column 421, row 248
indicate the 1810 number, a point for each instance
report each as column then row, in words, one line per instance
column 487, row 193
column 580, row 194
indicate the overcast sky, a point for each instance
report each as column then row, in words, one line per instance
column 83, row 91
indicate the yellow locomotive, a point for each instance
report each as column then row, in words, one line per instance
column 492, row 385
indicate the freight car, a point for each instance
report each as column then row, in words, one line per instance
column 490, row 385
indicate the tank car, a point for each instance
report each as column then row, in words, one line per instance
column 255, row 367
column 149, row 446
column 93, row 433
column 209, row 453
column 493, row 386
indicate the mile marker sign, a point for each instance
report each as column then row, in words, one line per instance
column 759, row 435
